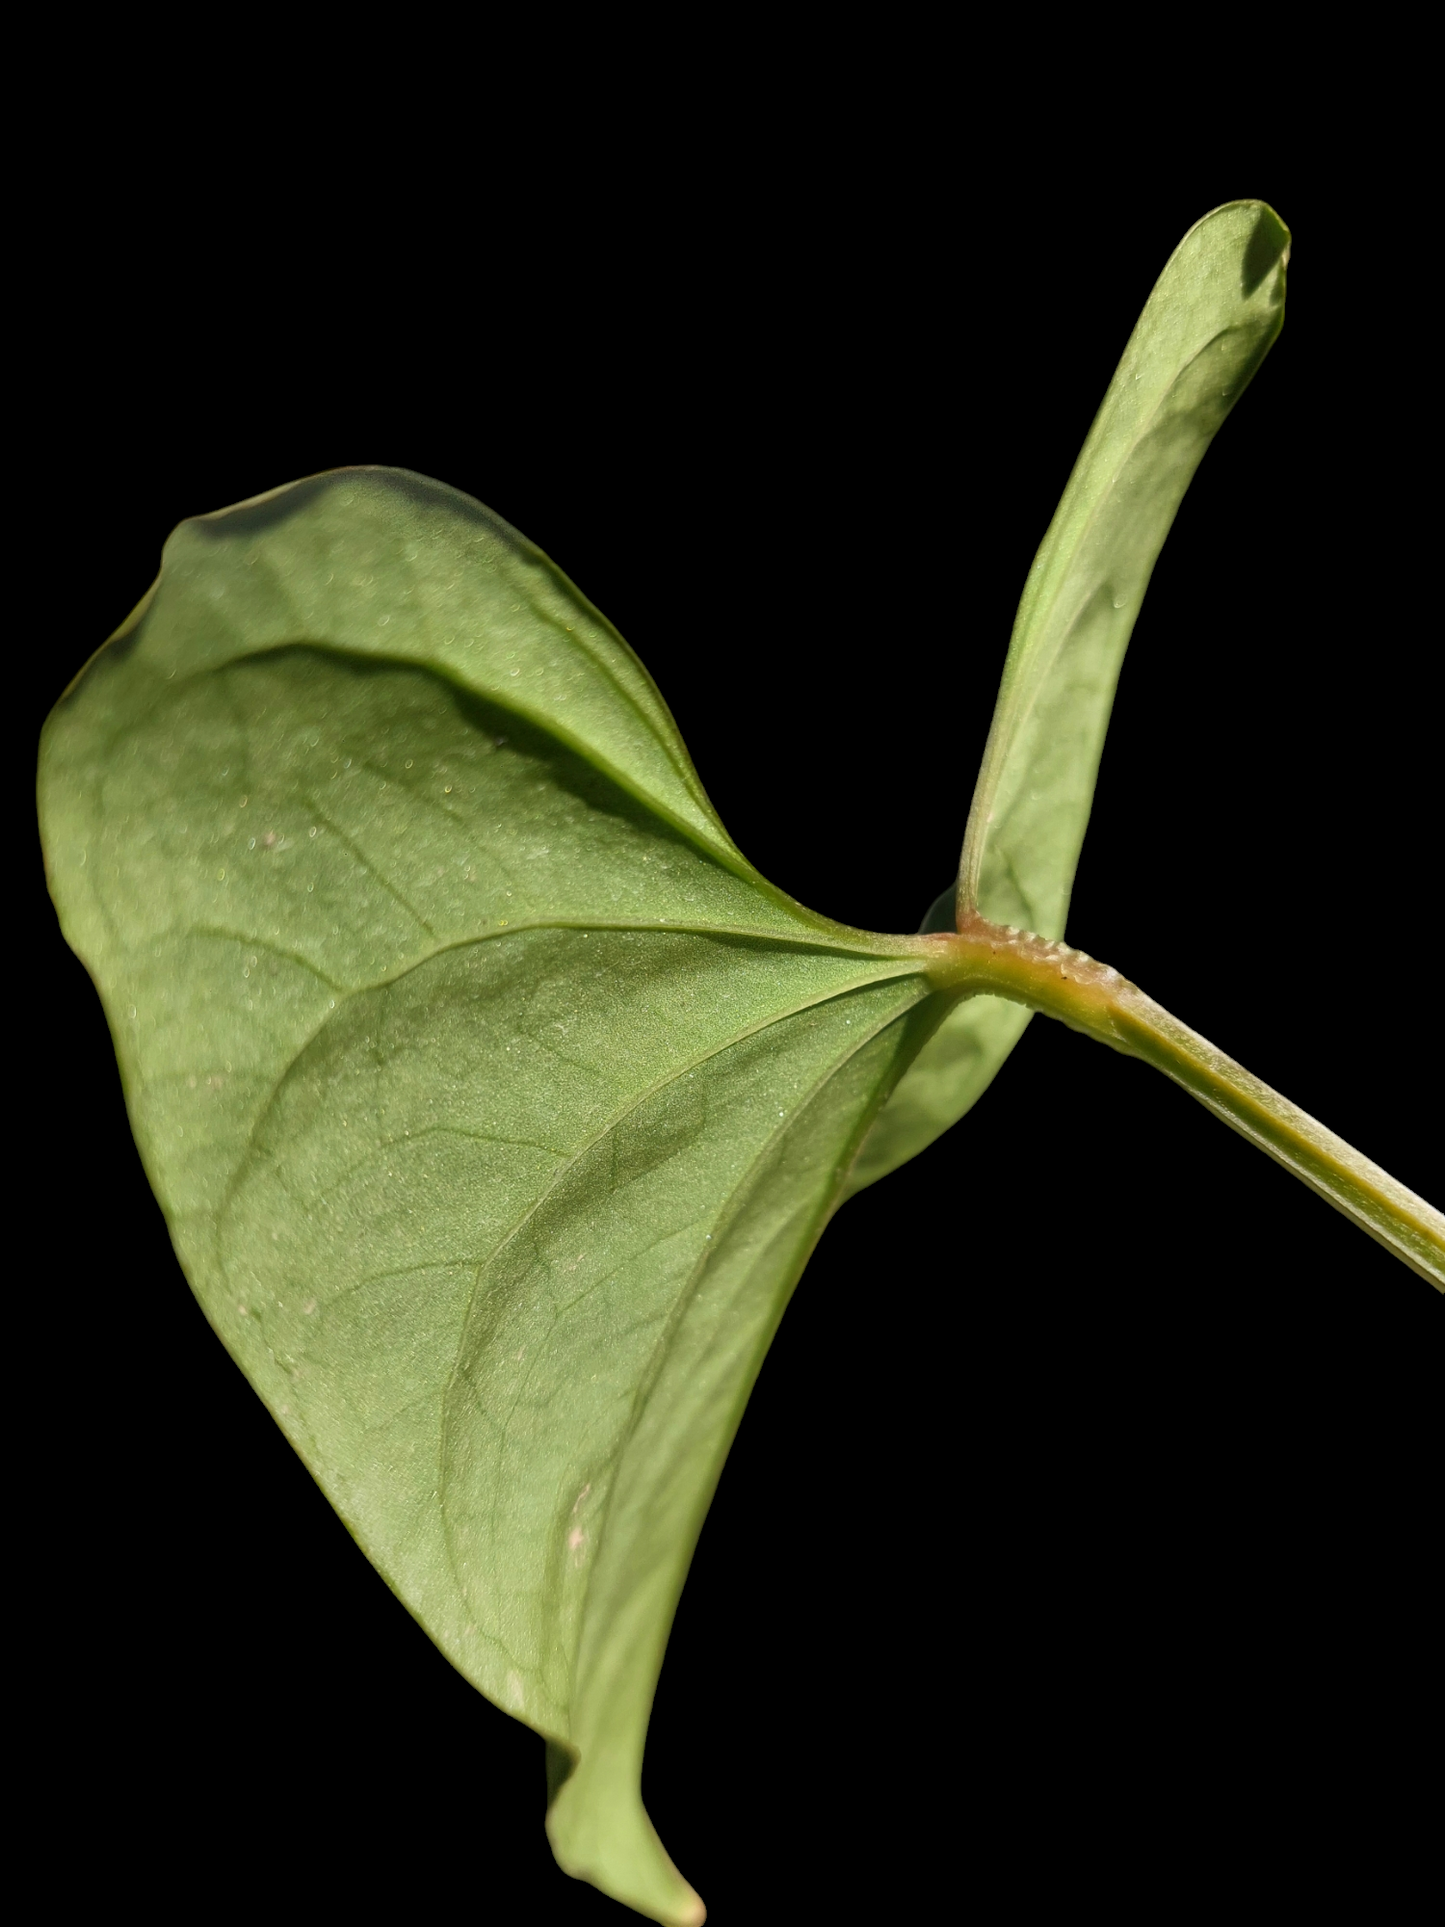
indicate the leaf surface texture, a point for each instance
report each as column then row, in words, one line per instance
column 1212, row 317
column 494, row 1101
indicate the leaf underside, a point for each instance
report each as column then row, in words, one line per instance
column 1211, row 319
column 494, row 1101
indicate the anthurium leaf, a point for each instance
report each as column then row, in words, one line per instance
column 1211, row 319
column 494, row 1102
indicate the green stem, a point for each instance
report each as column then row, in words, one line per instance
column 1090, row 997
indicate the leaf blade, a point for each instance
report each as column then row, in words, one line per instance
column 426, row 1016
column 1208, row 324
column 1211, row 319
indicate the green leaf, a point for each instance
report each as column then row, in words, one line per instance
column 1211, row 319
column 493, row 1100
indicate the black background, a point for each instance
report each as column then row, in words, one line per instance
column 1081, row 1535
